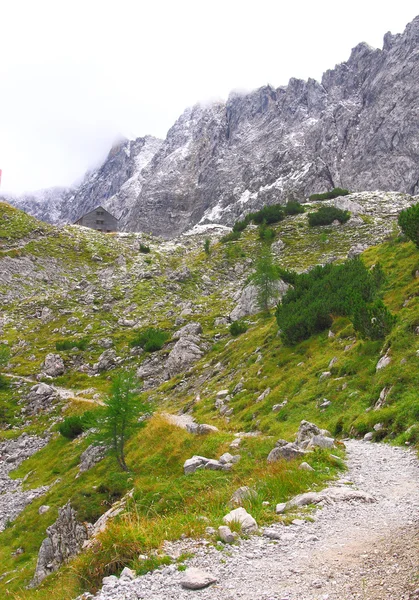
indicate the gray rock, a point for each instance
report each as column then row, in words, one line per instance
column 248, row 300
column 53, row 365
column 65, row 539
column 194, row 463
column 368, row 436
column 241, row 494
column 306, row 431
column 287, row 452
column 188, row 330
column 184, row 354
column 225, row 534
column 107, row 361
column 330, row 495
column 43, row 509
column 383, row 362
column 91, row 456
column 41, row 398
column 305, row 467
column 196, row 579
column 321, row 441
column 243, row 518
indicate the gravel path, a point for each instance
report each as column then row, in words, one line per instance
column 352, row 550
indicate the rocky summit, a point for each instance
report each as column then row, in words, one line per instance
column 356, row 129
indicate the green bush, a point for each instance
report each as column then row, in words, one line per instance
column 333, row 290
column 233, row 236
column 268, row 214
column 329, row 195
column 293, row 207
column 326, row 215
column 237, row 328
column 4, row 382
column 151, row 339
column 241, row 225
column 207, row 247
column 409, row 223
column 266, row 234
column 144, row 249
column 80, row 344
column 72, row 427
column 373, row 322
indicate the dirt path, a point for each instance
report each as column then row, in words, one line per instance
column 350, row 551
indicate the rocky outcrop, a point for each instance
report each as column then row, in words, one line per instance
column 357, row 129
column 53, row 365
column 40, row 399
column 247, row 300
column 65, row 539
column 91, row 456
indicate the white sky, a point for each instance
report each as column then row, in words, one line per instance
column 77, row 74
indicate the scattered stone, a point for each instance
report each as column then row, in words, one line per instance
column 107, row 361
column 305, row 467
column 41, row 398
column 325, row 375
column 321, row 441
column 43, row 509
column 91, row 456
column 243, row 518
column 330, row 495
column 53, row 365
column 241, row 494
column 288, row 452
column 225, row 534
column 196, row 579
column 368, row 436
column 264, row 395
column 280, row 508
column 383, row 362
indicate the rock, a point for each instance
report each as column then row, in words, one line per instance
column 53, row 365
column 105, row 343
column 201, row 428
column 382, row 399
column 325, row 403
column 91, row 456
column 368, row 436
column 215, row 465
column 241, row 494
column 263, row 395
column 40, row 398
column 188, row 330
column 330, row 495
column 243, row 518
column 305, row 467
column 278, row 246
column 226, row 458
column 194, row 463
column 306, row 431
column 196, row 579
column 248, row 300
column 278, row 407
column 325, row 375
column 383, row 362
column 287, row 452
column 225, row 534
column 356, row 250
column 65, row 539
column 128, row 573
column 280, row 508
column 221, row 322
column 222, row 394
column 43, row 509
column 107, row 361
column 321, row 441
column 184, row 354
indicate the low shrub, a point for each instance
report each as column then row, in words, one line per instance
column 80, row 344
column 207, row 247
column 144, row 249
column 72, row 427
column 326, row 215
column 233, row 236
column 293, row 207
column 409, row 223
column 268, row 214
column 266, row 234
column 150, row 339
column 241, row 225
column 348, row 289
column 329, row 195
column 237, row 328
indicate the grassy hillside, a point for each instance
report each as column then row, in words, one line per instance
column 100, row 287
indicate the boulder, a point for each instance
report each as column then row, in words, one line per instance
column 40, row 398
column 188, row 330
column 305, row 467
column 91, row 456
column 383, row 362
column 287, row 452
column 65, row 539
column 225, row 534
column 184, row 354
column 243, row 518
column 196, row 579
column 321, row 441
column 194, row 463
column 329, row 496
column 248, row 300
column 53, row 365
column 107, row 361
column 306, row 431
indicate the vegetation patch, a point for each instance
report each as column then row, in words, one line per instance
column 150, row 339
column 329, row 195
column 326, row 215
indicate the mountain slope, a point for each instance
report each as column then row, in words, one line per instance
column 357, row 129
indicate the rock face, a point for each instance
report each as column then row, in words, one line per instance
column 357, row 128
column 65, row 539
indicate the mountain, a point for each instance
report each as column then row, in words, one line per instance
column 357, row 128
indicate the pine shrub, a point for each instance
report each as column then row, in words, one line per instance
column 329, row 195
column 150, row 339
column 409, row 223
column 293, row 207
column 237, row 328
column 326, row 215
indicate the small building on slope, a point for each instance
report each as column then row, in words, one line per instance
column 100, row 219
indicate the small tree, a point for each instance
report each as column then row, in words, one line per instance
column 409, row 223
column 207, row 247
column 123, row 406
column 264, row 278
